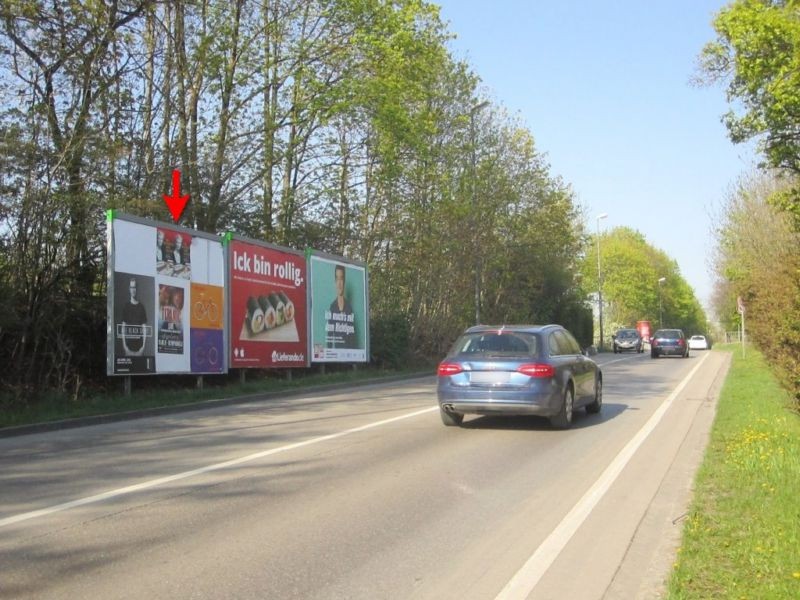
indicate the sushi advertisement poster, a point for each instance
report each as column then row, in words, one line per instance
column 339, row 310
column 267, row 287
column 166, row 309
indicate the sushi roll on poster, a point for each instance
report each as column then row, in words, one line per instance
column 268, row 305
column 270, row 316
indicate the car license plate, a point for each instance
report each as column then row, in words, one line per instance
column 488, row 377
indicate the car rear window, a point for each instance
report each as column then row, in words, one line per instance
column 668, row 334
column 496, row 344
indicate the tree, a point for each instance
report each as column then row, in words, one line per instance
column 758, row 259
column 757, row 52
column 341, row 124
column 69, row 66
column 631, row 289
column 67, row 62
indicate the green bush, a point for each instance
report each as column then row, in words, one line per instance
column 577, row 318
column 390, row 341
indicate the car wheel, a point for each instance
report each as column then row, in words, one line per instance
column 595, row 406
column 563, row 420
column 450, row 419
column 653, row 355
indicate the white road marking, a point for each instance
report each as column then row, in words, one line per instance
column 523, row 582
column 623, row 356
column 207, row 469
column 611, row 362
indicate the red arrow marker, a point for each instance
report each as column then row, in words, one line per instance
column 176, row 203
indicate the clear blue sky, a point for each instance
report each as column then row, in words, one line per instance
column 604, row 89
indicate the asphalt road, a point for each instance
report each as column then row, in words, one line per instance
column 363, row 494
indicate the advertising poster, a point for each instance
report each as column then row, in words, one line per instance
column 267, row 306
column 134, row 319
column 168, row 291
column 339, row 311
column 207, row 350
column 207, row 341
column 173, row 253
column 170, row 322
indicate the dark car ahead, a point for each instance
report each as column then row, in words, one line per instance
column 628, row 339
column 669, row 342
column 518, row 370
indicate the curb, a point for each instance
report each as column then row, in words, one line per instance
column 17, row 430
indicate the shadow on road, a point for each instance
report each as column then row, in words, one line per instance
column 580, row 420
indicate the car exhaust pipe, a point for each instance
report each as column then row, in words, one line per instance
column 448, row 407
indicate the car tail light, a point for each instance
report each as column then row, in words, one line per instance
column 537, row 370
column 654, row 342
column 681, row 342
column 446, row 369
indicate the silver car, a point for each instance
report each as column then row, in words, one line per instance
column 518, row 370
column 628, row 339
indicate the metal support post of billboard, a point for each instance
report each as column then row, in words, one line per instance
column 242, row 376
column 322, row 368
column 199, row 383
column 288, row 374
column 126, row 386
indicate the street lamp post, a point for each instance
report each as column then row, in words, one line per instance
column 660, row 304
column 475, row 222
column 600, row 280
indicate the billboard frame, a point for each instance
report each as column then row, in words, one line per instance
column 113, row 215
column 229, row 237
column 311, row 254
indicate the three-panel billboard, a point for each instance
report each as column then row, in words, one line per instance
column 182, row 301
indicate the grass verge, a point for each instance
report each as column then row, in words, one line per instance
column 742, row 536
column 60, row 407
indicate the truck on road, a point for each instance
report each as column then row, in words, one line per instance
column 643, row 327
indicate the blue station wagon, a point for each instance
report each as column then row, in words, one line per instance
column 518, row 370
column 669, row 342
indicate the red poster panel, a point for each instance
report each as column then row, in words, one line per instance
column 268, row 306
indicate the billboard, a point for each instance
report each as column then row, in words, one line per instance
column 339, row 309
column 268, row 298
column 165, row 302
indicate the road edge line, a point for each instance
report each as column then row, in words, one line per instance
column 524, row 580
